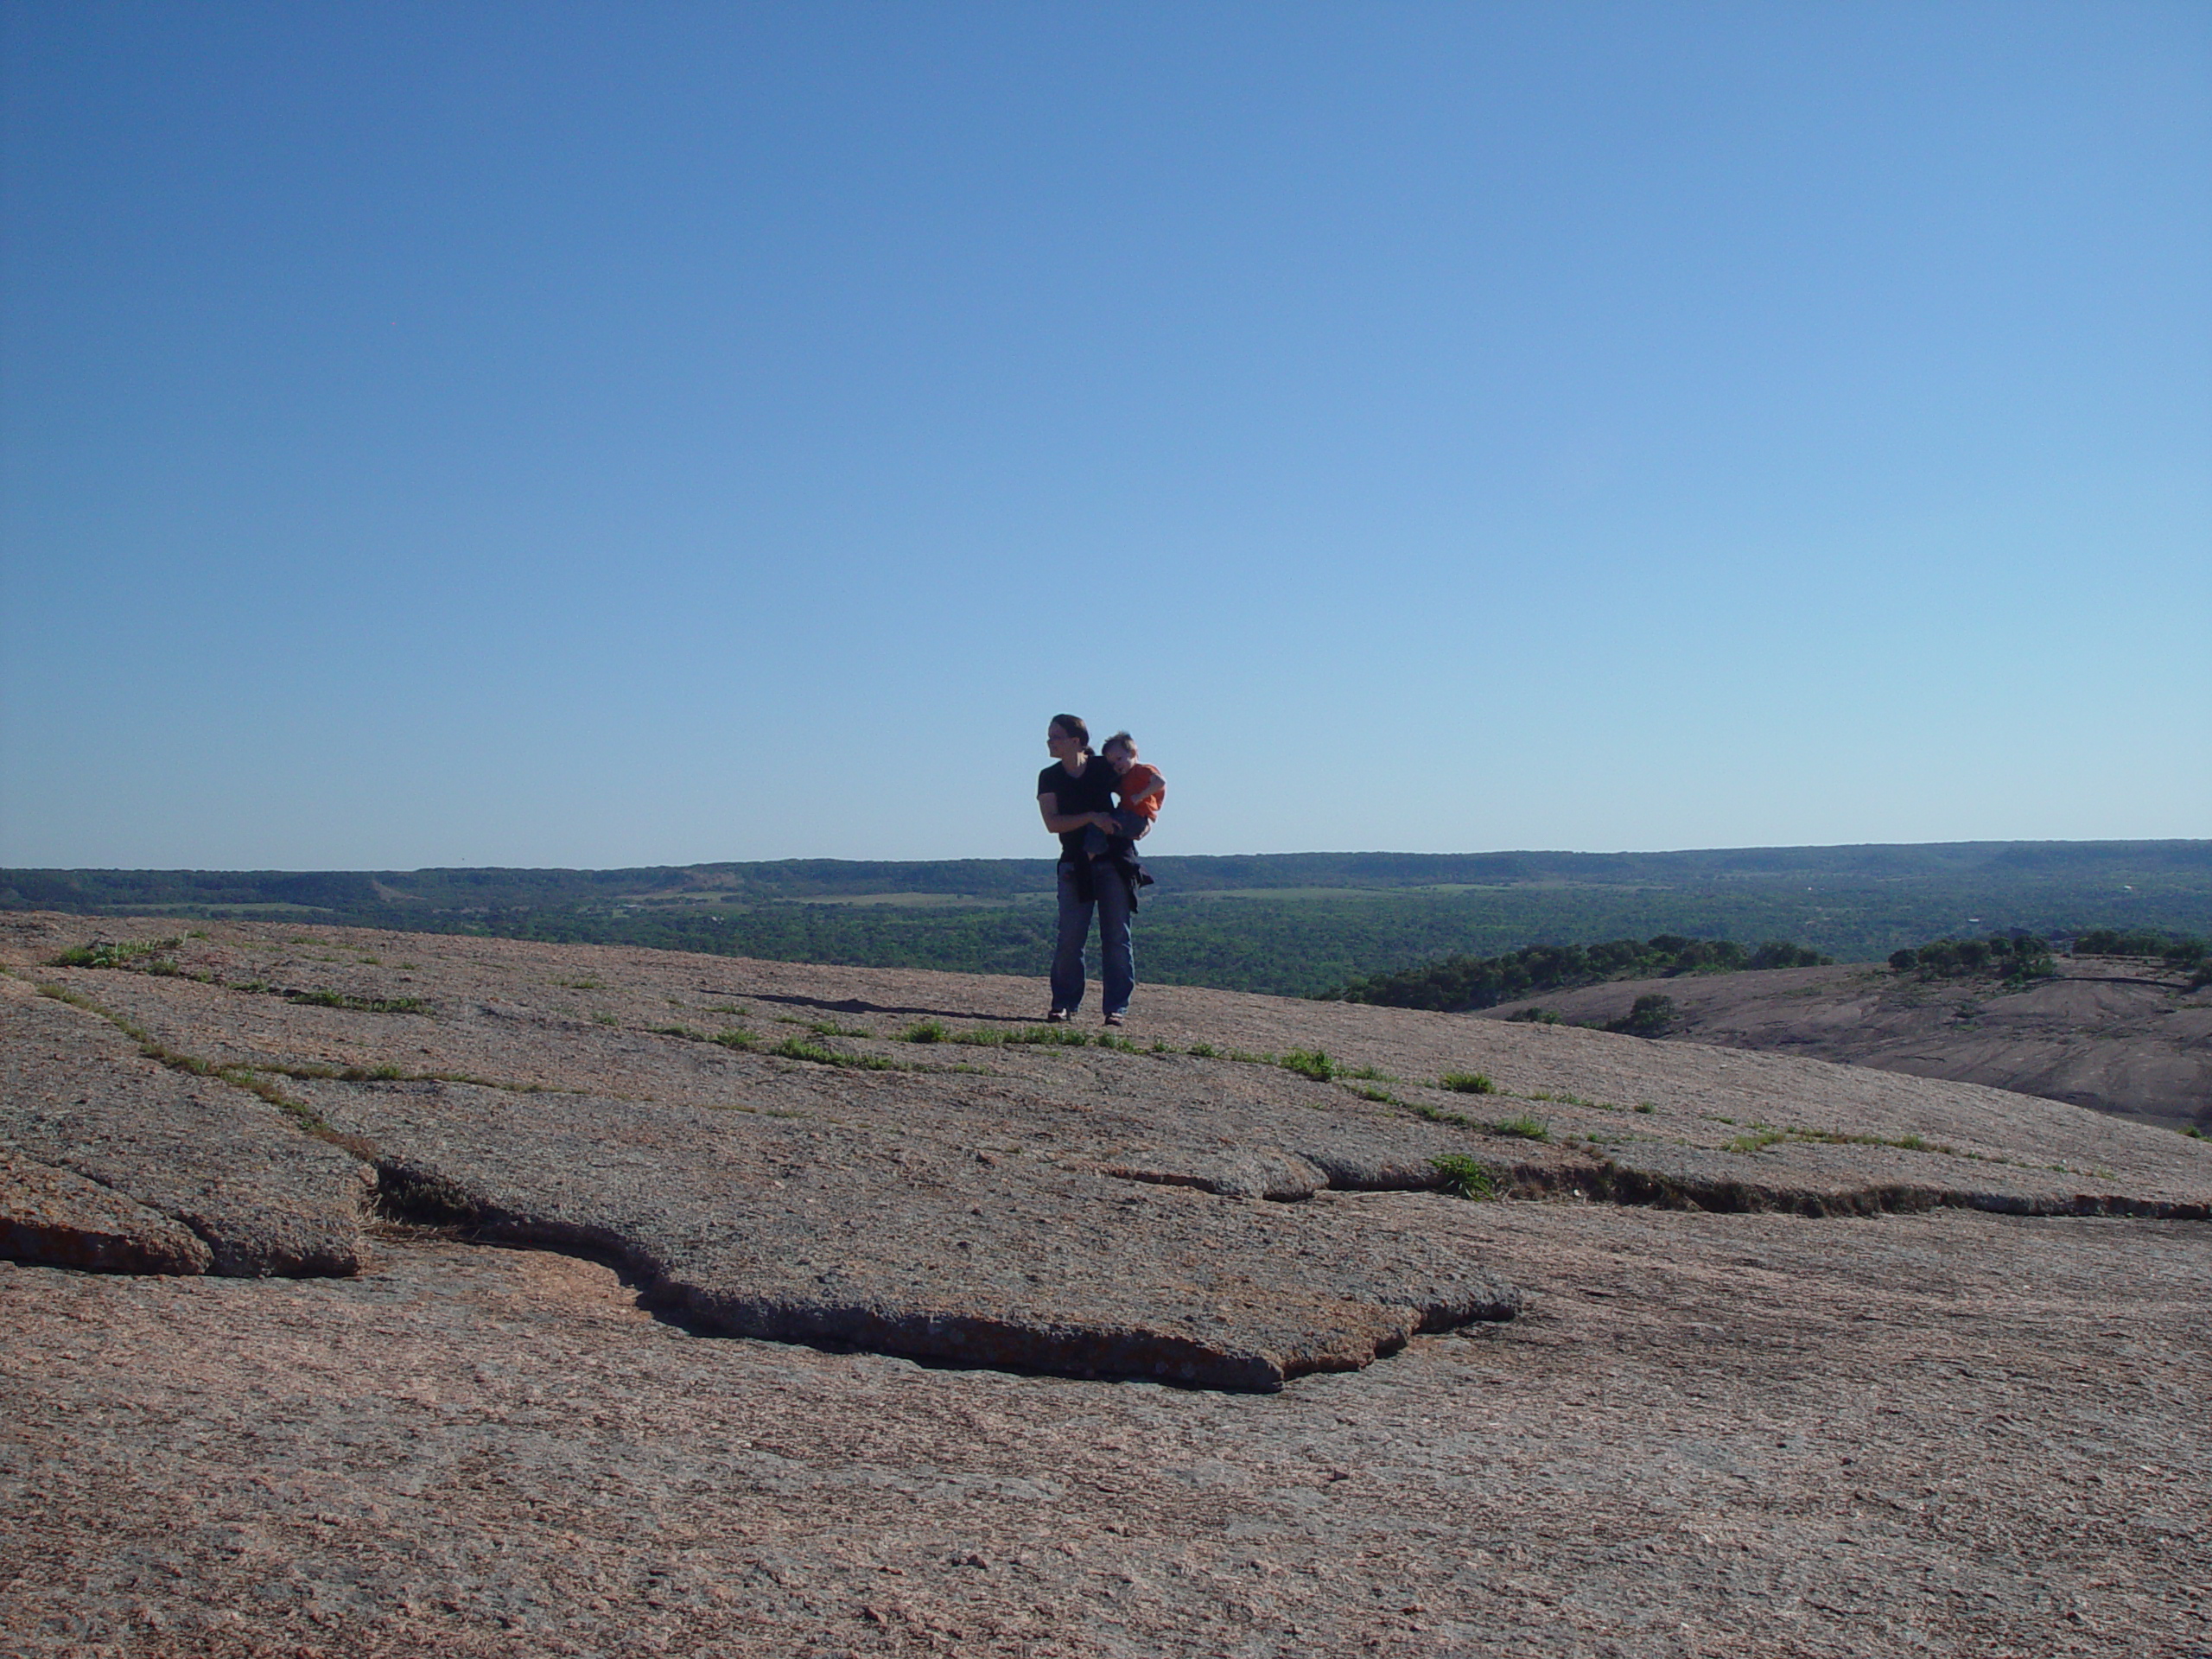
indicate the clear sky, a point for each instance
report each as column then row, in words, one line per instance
column 597, row 434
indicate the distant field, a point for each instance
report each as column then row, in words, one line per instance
column 1301, row 923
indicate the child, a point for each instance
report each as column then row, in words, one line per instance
column 1141, row 790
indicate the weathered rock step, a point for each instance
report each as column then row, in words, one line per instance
column 120, row 1164
column 57, row 1218
column 1736, row 1184
column 1204, row 1322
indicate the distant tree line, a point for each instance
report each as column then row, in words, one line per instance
column 2182, row 952
column 2179, row 952
column 1465, row 982
column 2018, row 959
column 2015, row 958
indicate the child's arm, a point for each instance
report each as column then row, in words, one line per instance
column 1157, row 785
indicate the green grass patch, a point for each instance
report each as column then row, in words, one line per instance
column 1764, row 1135
column 926, row 1031
column 814, row 1053
column 1466, row 1177
column 1519, row 1128
column 113, row 953
column 365, row 1004
column 1309, row 1063
column 1466, row 1082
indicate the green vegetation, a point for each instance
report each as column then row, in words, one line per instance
column 365, row 1004
column 1764, row 1135
column 1295, row 924
column 1466, row 1082
column 1463, row 982
column 1650, row 1016
column 1308, row 1063
column 799, row 1048
column 2017, row 960
column 1466, row 1177
column 118, row 953
column 1523, row 1128
column 926, row 1031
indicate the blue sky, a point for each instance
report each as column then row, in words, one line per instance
column 605, row 435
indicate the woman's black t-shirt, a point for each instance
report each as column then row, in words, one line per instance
column 1092, row 792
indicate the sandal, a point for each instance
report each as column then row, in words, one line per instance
column 1057, row 1017
column 1113, row 1018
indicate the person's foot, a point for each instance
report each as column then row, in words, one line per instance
column 1057, row 1017
column 1113, row 1018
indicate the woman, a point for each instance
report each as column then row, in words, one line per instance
column 1076, row 793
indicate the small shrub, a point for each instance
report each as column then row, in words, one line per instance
column 744, row 1041
column 1651, row 1016
column 1466, row 1082
column 1204, row 1051
column 1308, row 1063
column 1465, row 1176
column 1522, row 1128
column 1646, row 1107
column 926, row 1031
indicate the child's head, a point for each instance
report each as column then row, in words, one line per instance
column 1120, row 750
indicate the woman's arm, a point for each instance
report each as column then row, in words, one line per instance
column 1058, row 823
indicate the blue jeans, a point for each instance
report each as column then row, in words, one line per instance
column 1118, row 960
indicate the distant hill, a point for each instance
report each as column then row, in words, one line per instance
column 1294, row 922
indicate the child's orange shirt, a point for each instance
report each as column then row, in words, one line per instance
column 1137, row 779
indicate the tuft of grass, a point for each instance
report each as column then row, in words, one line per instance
column 1204, row 1052
column 1520, row 1129
column 1647, row 1107
column 1764, row 1135
column 605, row 1020
column 734, row 1037
column 2194, row 1132
column 1048, row 1037
column 1466, row 1177
column 1365, row 1074
column 358, row 1004
column 1381, row 1096
column 1123, row 1044
column 832, row 1028
column 685, row 1032
column 115, row 953
column 1309, row 1063
column 1466, row 1082
column 799, row 1048
column 926, row 1031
